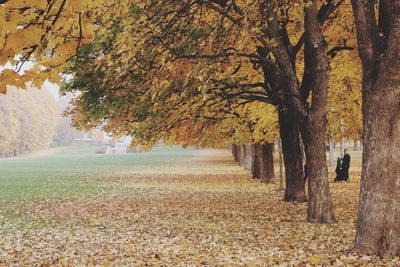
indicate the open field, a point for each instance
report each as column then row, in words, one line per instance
column 169, row 207
column 73, row 170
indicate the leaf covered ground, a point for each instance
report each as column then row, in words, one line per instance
column 202, row 210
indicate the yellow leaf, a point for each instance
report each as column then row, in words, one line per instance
column 315, row 260
column 24, row 38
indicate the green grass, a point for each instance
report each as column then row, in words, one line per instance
column 76, row 170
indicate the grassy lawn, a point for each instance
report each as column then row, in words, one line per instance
column 72, row 170
column 169, row 207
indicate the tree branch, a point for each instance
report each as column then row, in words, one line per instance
column 237, row 22
column 332, row 53
column 80, row 32
column 224, row 54
column 367, row 31
column 28, row 55
column 323, row 15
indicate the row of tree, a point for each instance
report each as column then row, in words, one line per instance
column 258, row 158
column 27, row 120
column 163, row 66
column 209, row 72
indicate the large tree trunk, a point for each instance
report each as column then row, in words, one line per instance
column 378, row 226
column 292, row 155
column 378, row 230
column 320, row 207
column 263, row 163
column 248, row 156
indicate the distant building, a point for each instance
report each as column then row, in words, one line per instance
column 120, row 146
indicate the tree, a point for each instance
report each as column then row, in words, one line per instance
column 28, row 120
column 231, row 49
column 344, row 97
column 9, row 125
column 378, row 229
column 48, row 114
column 206, row 53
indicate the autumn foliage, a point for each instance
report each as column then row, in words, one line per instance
column 220, row 72
column 27, row 120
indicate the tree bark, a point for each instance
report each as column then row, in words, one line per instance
column 320, row 206
column 248, row 156
column 280, row 165
column 235, row 152
column 263, row 163
column 378, row 230
column 241, row 155
column 292, row 155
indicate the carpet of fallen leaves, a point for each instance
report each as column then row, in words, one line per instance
column 203, row 211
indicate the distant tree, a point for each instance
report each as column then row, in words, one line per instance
column 28, row 120
column 48, row 115
column 9, row 126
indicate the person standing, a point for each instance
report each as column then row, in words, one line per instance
column 346, row 165
column 338, row 170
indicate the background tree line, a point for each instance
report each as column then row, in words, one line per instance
column 27, row 120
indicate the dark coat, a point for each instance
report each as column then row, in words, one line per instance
column 345, row 167
column 338, row 170
column 346, row 161
column 338, row 166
